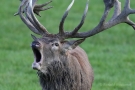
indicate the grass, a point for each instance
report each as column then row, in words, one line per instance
column 111, row 53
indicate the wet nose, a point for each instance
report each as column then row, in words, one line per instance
column 35, row 44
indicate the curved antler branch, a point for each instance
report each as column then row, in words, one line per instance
column 131, row 23
column 117, row 9
column 127, row 4
column 29, row 7
column 38, row 8
column 61, row 29
column 25, row 20
column 82, row 20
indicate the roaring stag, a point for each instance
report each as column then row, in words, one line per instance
column 61, row 63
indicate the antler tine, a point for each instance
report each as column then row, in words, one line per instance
column 24, row 19
column 61, row 29
column 28, row 7
column 130, row 11
column 28, row 16
column 40, row 27
column 82, row 20
column 123, row 16
column 131, row 23
column 127, row 4
column 38, row 8
column 118, row 17
column 117, row 9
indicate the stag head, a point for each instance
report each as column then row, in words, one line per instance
column 50, row 49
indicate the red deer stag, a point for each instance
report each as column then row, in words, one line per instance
column 62, row 64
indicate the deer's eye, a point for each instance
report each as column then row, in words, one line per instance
column 56, row 44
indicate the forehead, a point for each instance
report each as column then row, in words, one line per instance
column 48, row 39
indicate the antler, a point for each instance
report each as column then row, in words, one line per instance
column 29, row 7
column 117, row 18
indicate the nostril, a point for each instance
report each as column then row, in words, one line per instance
column 37, row 45
column 52, row 44
column 56, row 44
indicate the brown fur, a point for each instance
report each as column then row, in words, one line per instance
column 83, row 61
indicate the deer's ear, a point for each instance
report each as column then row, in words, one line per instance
column 69, row 45
column 34, row 37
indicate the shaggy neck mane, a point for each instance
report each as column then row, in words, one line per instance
column 57, row 74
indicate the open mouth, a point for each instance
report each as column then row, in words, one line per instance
column 37, row 54
column 37, row 63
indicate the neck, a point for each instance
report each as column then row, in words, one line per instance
column 56, row 76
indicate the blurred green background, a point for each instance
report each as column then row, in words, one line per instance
column 111, row 53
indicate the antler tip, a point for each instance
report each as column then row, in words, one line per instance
column 16, row 14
